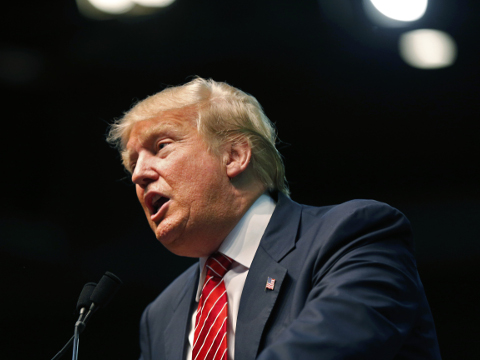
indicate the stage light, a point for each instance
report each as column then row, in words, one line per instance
column 113, row 6
column 402, row 10
column 110, row 9
column 427, row 49
column 154, row 3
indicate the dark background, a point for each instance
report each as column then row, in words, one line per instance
column 355, row 122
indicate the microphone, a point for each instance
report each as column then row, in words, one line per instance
column 103, row 293
column 106, row 289
column 92, row 297
column 84, row 301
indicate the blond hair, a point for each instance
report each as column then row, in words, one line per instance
column 223, row 114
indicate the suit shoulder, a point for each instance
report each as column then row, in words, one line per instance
column 360, row 209
column 347, row 223
column 350, row 207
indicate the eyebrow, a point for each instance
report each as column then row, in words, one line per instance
column 166, row 127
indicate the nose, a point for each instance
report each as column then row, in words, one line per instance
column 144, row 172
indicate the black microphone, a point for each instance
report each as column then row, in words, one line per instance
column 83, row 304
column 84, row 301
column 93, row 297
column 106, row 289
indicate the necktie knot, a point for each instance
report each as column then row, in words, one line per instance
column 218, row 265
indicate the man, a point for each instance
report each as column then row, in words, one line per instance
column 276, row 279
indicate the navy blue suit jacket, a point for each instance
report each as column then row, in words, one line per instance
column 346, row 287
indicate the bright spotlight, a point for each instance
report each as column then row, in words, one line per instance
column 402, row 10
column 113, row 6
column 154, row 3
column 110, row 9
column 427, row 49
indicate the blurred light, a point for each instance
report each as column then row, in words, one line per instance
column 403, row 10
column 108, row 9
column 113, row 6
column 154, row 3
column 427, row 49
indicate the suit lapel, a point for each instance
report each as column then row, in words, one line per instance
column 257, row 302
column 175, row 334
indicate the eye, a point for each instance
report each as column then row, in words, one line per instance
column 162, row 145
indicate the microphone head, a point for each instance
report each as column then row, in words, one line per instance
column 107, row 287
column 84, row 298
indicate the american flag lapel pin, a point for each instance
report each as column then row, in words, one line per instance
column 270, row 283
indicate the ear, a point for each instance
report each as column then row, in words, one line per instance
column 238, row 157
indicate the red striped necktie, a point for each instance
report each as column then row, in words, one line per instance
column 210, row 337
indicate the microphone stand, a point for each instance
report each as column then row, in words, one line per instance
column 76, row 339
column 79, row 327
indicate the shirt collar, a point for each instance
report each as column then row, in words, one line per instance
column 243, row 241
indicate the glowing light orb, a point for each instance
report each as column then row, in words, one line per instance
column 427, row 49
column 113, row 6
column 403, row 10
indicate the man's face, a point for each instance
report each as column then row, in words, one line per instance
column 181, row 186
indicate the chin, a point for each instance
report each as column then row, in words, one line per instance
column 182, row 246
column 178, row 247
column 171, row 237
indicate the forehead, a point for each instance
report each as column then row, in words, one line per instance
column 164, row 124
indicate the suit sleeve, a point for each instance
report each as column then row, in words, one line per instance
column 365, row 297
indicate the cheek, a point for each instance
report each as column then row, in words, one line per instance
column 139, row 191
column 207, row 178
column 196, row 172
column 193, row 178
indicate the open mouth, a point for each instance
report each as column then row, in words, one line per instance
column 156, row 202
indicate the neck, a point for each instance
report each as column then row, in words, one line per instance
column 240, row 200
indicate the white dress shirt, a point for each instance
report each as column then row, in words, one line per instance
column 240, row 245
